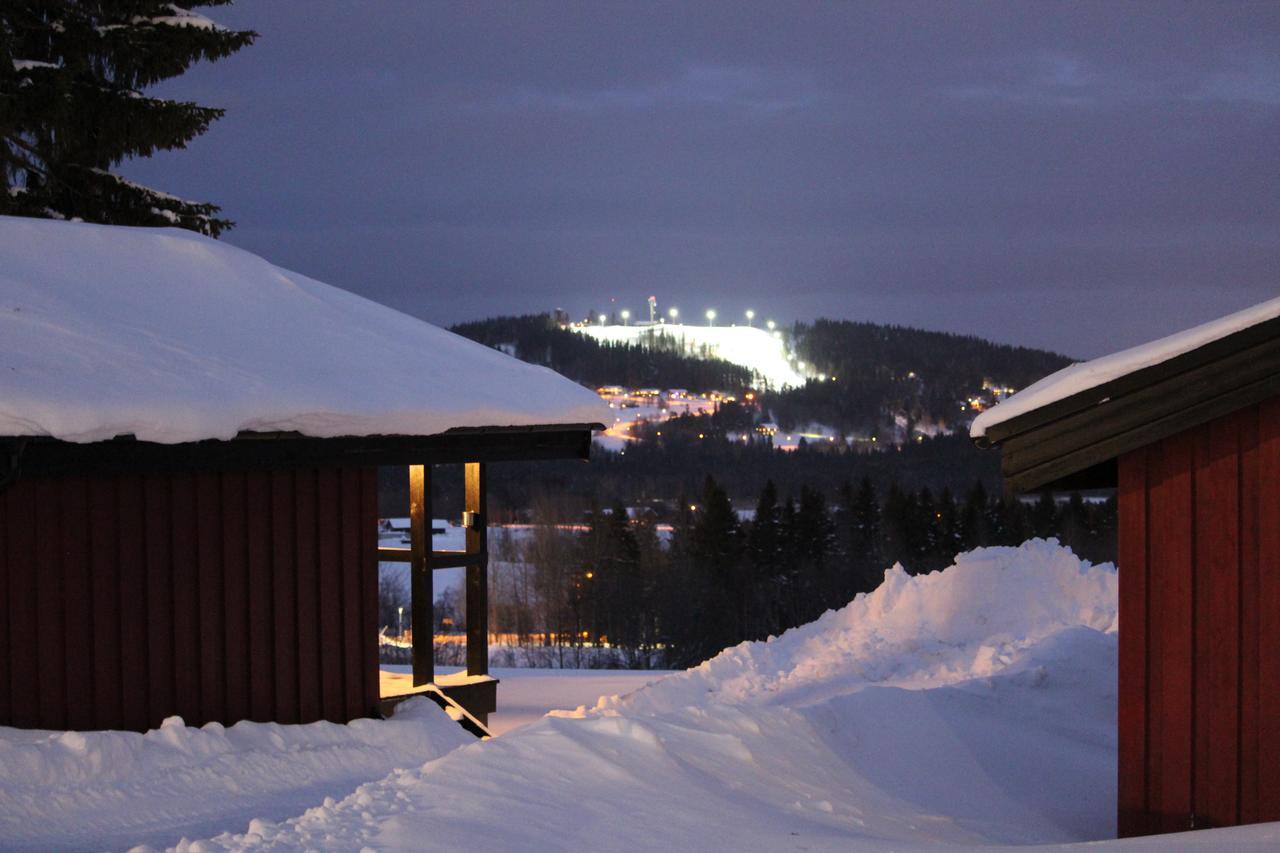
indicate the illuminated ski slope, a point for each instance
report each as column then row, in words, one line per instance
column 754, row 349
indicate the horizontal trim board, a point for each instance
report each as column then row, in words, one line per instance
column 1140, row 436
column 1146, row 405
column 1128, row 384
column 39, row 457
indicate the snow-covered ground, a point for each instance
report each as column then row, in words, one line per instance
column 755, row 349
column 972, row 708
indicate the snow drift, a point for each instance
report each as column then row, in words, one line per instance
column 111, row 790
column 973, row 706
column 171, row 336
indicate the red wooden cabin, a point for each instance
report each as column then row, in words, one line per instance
column 1188, row 430
column 189, row 443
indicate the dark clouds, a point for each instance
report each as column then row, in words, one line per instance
column 1077, row 176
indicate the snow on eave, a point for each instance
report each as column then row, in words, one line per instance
column 171, row 337
column 1084, row 376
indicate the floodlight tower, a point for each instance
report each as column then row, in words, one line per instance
column 626, row 315
column 711, row 316
column 751, row 315
column 653, row 310
column 673, row 313
column 602, row 319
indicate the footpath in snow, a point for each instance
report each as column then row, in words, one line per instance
column 972, row 708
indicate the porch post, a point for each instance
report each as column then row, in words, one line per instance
column 477, row 507
column 420, row 618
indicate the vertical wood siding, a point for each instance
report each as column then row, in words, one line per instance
column 213, row 596
column 1199, row 552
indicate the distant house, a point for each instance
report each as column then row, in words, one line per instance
column 189, row 443
column 1188, row 429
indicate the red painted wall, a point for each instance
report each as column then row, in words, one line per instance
column 1199, row 557
column 214, row 596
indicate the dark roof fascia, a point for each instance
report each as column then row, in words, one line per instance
column 36, row 456
column 1043, row 446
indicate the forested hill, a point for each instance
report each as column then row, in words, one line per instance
column 537, row 338
column 920, row 374
column 871, row 373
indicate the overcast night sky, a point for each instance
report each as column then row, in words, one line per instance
column 1080, row 177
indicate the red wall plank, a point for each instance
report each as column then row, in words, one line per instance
column 209, row 562
column 104, row 567
column 1268, row 534
column 6, row 569
column 134, row 605
column 78, row 609
column 24, row 668
column 1248, row 502
column 235, row 590
column 1132, row 712
column 284, row 598
column 1217, row 623
column 351, row 519
column 308, row 591
column 158, row 514
column 1171, row 635
column 49, row 594
column 328, row 499
column 186, row 599
column 260, row 583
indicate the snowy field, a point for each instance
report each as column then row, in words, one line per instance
column 972, row 708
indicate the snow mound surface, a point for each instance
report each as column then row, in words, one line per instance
column 971, row 621
column 170, row 336
column 111, row 790
column 972, row 707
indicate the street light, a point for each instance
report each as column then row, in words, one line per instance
column 602, row 319
column 751, row 315
column 626, row 315
column 673, row 314
column 711, row 316
column 399, row 621
column 770, row 324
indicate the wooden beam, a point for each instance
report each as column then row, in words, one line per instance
column 1140, row 436
column 477, row 572
column 1129, row 383
column 436, row 559
column 37, row 456
column 420, row 618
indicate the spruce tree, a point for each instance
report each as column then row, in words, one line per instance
column 71, row 106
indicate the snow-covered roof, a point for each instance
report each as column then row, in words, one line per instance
column 171, row 336
column 1090, row 374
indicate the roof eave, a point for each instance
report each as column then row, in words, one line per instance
column 1081, row 432
column 39, row 456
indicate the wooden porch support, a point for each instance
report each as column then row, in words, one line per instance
column 421, row 588
column 479, row 698
column 478, row 570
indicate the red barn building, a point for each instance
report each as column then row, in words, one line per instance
column 189, row 443
column 1188, row 430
